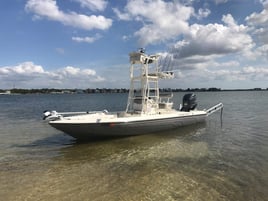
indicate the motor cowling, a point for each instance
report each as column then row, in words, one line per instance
column 189, row 102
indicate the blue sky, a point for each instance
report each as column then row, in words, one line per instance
column 85, row 43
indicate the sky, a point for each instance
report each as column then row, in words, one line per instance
column 85, row 43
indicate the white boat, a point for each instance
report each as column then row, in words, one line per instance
column 147, row 110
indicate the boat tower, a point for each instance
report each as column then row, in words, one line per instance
column 144, row 97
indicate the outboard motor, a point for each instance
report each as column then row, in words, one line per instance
column 51, row 115
column 189, row 102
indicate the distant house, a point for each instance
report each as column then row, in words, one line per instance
column 7, row 92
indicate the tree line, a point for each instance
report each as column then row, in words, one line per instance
column 114, row 90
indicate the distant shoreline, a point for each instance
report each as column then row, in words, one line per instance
column 114, row 90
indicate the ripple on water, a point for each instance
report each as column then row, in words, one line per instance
column 170, row 169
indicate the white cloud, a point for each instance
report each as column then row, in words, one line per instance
column 255, row 73
column 214, row 39
column 262, row 52
column 26, row 68
column 264, row 2
column 253, row 70
column 203, row 13
column 262, row 34
column 224, row 77
column 228, row 64
column 50, row 10
column 259, row 23
column 258, row 18
column 220, row 1
column 71, row 71
column 30, row 75
column 126, row 38
column 161, row 20
column 120, row 15
column 86, row 39
column 94, row 5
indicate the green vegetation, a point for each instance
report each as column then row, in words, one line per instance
column 121, row 90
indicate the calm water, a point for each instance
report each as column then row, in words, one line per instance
column 202, row 162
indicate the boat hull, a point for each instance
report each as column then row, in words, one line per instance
column 84, row 130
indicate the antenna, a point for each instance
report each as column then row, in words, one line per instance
column 142, row 50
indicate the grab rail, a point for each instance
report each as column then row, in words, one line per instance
column 53, row 115
column 214, row 109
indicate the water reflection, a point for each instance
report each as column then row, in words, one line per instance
column 152, row 167
column 102, row 147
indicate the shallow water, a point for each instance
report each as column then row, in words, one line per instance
column 201, row 162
